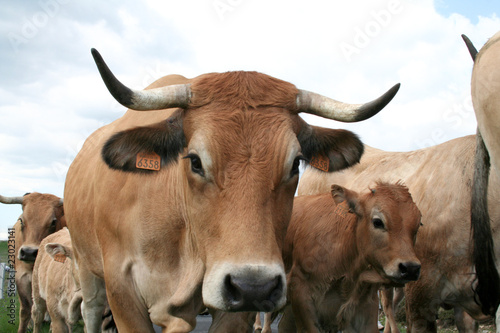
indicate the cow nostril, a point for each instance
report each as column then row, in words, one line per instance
column 233, row 290
column 409, row 270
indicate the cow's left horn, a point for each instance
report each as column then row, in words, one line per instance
column 11, row 200
column 143, row 100
column 309, row 102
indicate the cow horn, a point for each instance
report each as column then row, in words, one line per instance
column 11, row 200
column 142, row 100
column 472, row 49
column 309, row 102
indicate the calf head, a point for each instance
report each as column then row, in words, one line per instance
column 387, row 225
column 43, row 214
column 237, row 142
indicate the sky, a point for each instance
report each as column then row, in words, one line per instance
column 52, row 97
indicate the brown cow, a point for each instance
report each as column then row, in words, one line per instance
column 222, row 153
column 43, row 214
column 440, row 180
column 340, row 252
column 56, row 288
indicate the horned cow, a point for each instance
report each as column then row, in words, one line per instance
column 167, row 208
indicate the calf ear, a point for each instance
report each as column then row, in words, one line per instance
column 330, row 149
column 165, row 139
column 341, row 194
column 56, row 250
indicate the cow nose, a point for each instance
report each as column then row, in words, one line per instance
column 409, row 270
column 244, row 294
column 28, row 253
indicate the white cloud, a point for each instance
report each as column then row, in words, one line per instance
column 52, row 97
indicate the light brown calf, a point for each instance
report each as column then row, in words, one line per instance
column 56, row 287
column 338, row 252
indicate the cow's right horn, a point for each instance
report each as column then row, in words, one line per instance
column 143, row 100
column 11, row 200
column 325, row 107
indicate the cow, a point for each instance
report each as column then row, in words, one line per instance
column 56, row 286
column 164, row 207
column 485, row 91
column 43, row 214
column 440, row 181
column 340, row 248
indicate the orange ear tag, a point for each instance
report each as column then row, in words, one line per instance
column 148, row 161
column 341, row 209
column 60, row 257
column 320, row 162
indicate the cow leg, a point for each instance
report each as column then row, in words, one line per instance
column 267, row 322
column 465, row 323
column 38, row 312
column 59, row 325
column 257, row 327
column 94, row 300
column 421, row 313
column 302, row 306
column 388, row 305
column 25, row 302
column 287, row 322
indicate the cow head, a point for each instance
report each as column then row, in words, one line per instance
column 387, row 224
column 43, row 214
column 238, row 141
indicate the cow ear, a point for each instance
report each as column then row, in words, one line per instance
column 165, row 139
column 55, row 250
column 341, row 194
column 330, row 149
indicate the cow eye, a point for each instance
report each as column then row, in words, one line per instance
column 295, row 166
column 52, row 227
column 21, row 222
column 378, row 223
column 196, row 165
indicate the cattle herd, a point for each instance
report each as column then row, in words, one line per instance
column 187, row 203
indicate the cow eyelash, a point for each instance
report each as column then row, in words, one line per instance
column 196, row 165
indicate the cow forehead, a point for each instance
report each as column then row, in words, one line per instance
column 242, row 132
column 228, row 142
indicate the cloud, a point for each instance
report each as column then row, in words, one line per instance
column 52, row 97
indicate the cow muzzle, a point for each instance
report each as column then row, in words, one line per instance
column 249, row 287
column 28, row 253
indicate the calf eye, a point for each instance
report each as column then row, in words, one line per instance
column 378, row 223
column 196, row 165
column 21, row 222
